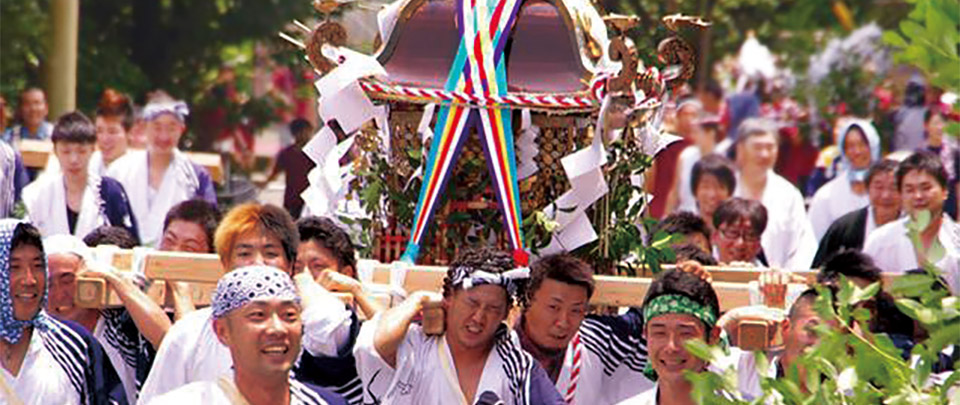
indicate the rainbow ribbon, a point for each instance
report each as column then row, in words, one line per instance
column 478, row 68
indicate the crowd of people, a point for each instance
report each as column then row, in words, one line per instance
column 274, row 333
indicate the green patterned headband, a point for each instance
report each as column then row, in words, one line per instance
column 678, row 304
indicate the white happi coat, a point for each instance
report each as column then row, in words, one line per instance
column 224, row 391
column 788, row 242
column 832, row 201
column 425, row 373
column 892, row 251
column 46, row 203
column 191, row 352
column 610, row 369
column 41, row 379
column 180, row 183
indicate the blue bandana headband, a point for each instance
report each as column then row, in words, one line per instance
column 246, row 284
column 178, row 109
column 11, row 329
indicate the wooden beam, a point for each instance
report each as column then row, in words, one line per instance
column 36, row 152
column 182, row 266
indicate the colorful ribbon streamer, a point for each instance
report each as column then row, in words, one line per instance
column 478, row 68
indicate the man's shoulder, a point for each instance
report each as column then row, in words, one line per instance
column 191, row 326
column 850, row 219
column 889, row 234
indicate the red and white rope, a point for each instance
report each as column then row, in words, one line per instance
column 574, row 371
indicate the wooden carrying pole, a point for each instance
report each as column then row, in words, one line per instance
column 203, row 270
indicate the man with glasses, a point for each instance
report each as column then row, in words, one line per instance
column 739, row 223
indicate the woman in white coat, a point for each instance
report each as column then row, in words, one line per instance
column 859, row 146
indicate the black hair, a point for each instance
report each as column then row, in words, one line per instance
column 925, row 162
column 331, row 237
column 848, row 263
column 116, row 104
column 716, row 166
column 689, row 251
column 74, row 127
column 682, row 283
column 299, row 125
column 110, row 235
column 196, row 211
column 562, row 267
column 882, row 166
column 684, row 223
column 25, row 234
column 809, row 296
column 278, row 222
column 487, row 259
column 735, row 208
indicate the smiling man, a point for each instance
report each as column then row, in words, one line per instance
column 45, row 361
column 250, row 234
column 475, row 360
column 922, row 182
column 592, row 359
column 256, row 315
column 678, row 307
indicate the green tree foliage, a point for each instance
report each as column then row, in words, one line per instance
column 929, row 38
column 136, row 46
column 23, row 31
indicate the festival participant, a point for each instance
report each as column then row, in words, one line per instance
column 45, row 361
column 678, row 307
column 690, row 226
column 295, row 164
column 32, row 118
column 922, row 182
column 703, row 137
column 664, row 170
column 256, row 315
column 859, row 146
column 250, row 234
column 328, row 256
column 327, row 252
column 739, row 223
column 110, row 235
column 788, row 240
column 13, row 178
column 799, row 334
column 475, row 360
column 113, row 119
column 946, row 147
column 852, row 229
column 713, row 181
column 188, row 227
column 592, row 359
column 129, row 335
column 711, row 97
column 161, row 176
column 76, row 201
